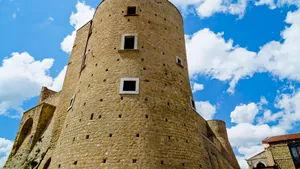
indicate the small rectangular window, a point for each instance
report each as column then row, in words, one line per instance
column 131, row 10
column 179, row 61
column 129, row 86
column 129, row 42
column 193, row 105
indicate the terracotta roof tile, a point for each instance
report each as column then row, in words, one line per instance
column 287, row 137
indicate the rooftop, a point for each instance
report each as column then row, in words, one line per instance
column 287, row 137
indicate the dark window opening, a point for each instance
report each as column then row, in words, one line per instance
column 129, row 86
column 131, row 10
column 260, row 165
column 134, row 160
column 75, row 163
column 193, row 104
column 295, row 152
column 129, row 42
column 46, row 166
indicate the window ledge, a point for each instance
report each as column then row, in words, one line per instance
column 180, row 65
column 128, row 50
column 131, row 15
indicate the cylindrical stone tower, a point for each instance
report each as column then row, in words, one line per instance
column 141, row 41
column 126, row 102
column 132, row 106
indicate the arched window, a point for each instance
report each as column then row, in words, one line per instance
column 260, row 165
column 26, row 129
column 47, row 164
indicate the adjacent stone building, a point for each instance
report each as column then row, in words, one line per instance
column 280, row 152
column 126, row 102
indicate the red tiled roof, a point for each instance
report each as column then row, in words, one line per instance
column 287, row 137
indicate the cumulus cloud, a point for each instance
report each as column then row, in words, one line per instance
column 5, row 149
column 21, row 79
column 67, row 44
column 269, row 3
column 83, row 14
column 197, row 87
column 206, row 110
column 59, row 80
column 284, row 120
column 244, row 113
column 290, row 110
column 255, row 134
column 207, row 8
column 210, row 55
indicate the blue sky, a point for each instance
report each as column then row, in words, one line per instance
column 243, row 60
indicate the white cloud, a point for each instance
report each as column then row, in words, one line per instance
column 21, row 79
column 244, row 113
column 246, row 138
column 59, row 80
column 254, row 134
column 290, row 109
column 269, row 3
column 210, row 55
column 207, row 8
column 67, row 44
column 197, row 87
column 51, row 19
column 206, row 110
column 250, row 151
column 82, row 16
column 281, row 3
column 263, row 101
column 242, row 162
column 5, row 149
column 268, row 116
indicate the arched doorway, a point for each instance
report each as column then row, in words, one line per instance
column 47, row 164
column 25, row 131
column 260, row 165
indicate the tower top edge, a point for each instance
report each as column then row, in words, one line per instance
column 106, row 0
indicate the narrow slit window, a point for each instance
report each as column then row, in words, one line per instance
column 129, row 86
column 131, row 10
column 71, row 103
column 193, row 105
column 129, row 42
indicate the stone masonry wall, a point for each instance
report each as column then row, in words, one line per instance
column 282, row 155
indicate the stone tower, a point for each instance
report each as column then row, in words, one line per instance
column 126, row 101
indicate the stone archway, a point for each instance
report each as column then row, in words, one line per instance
column 260, row 165
column 25, row 131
